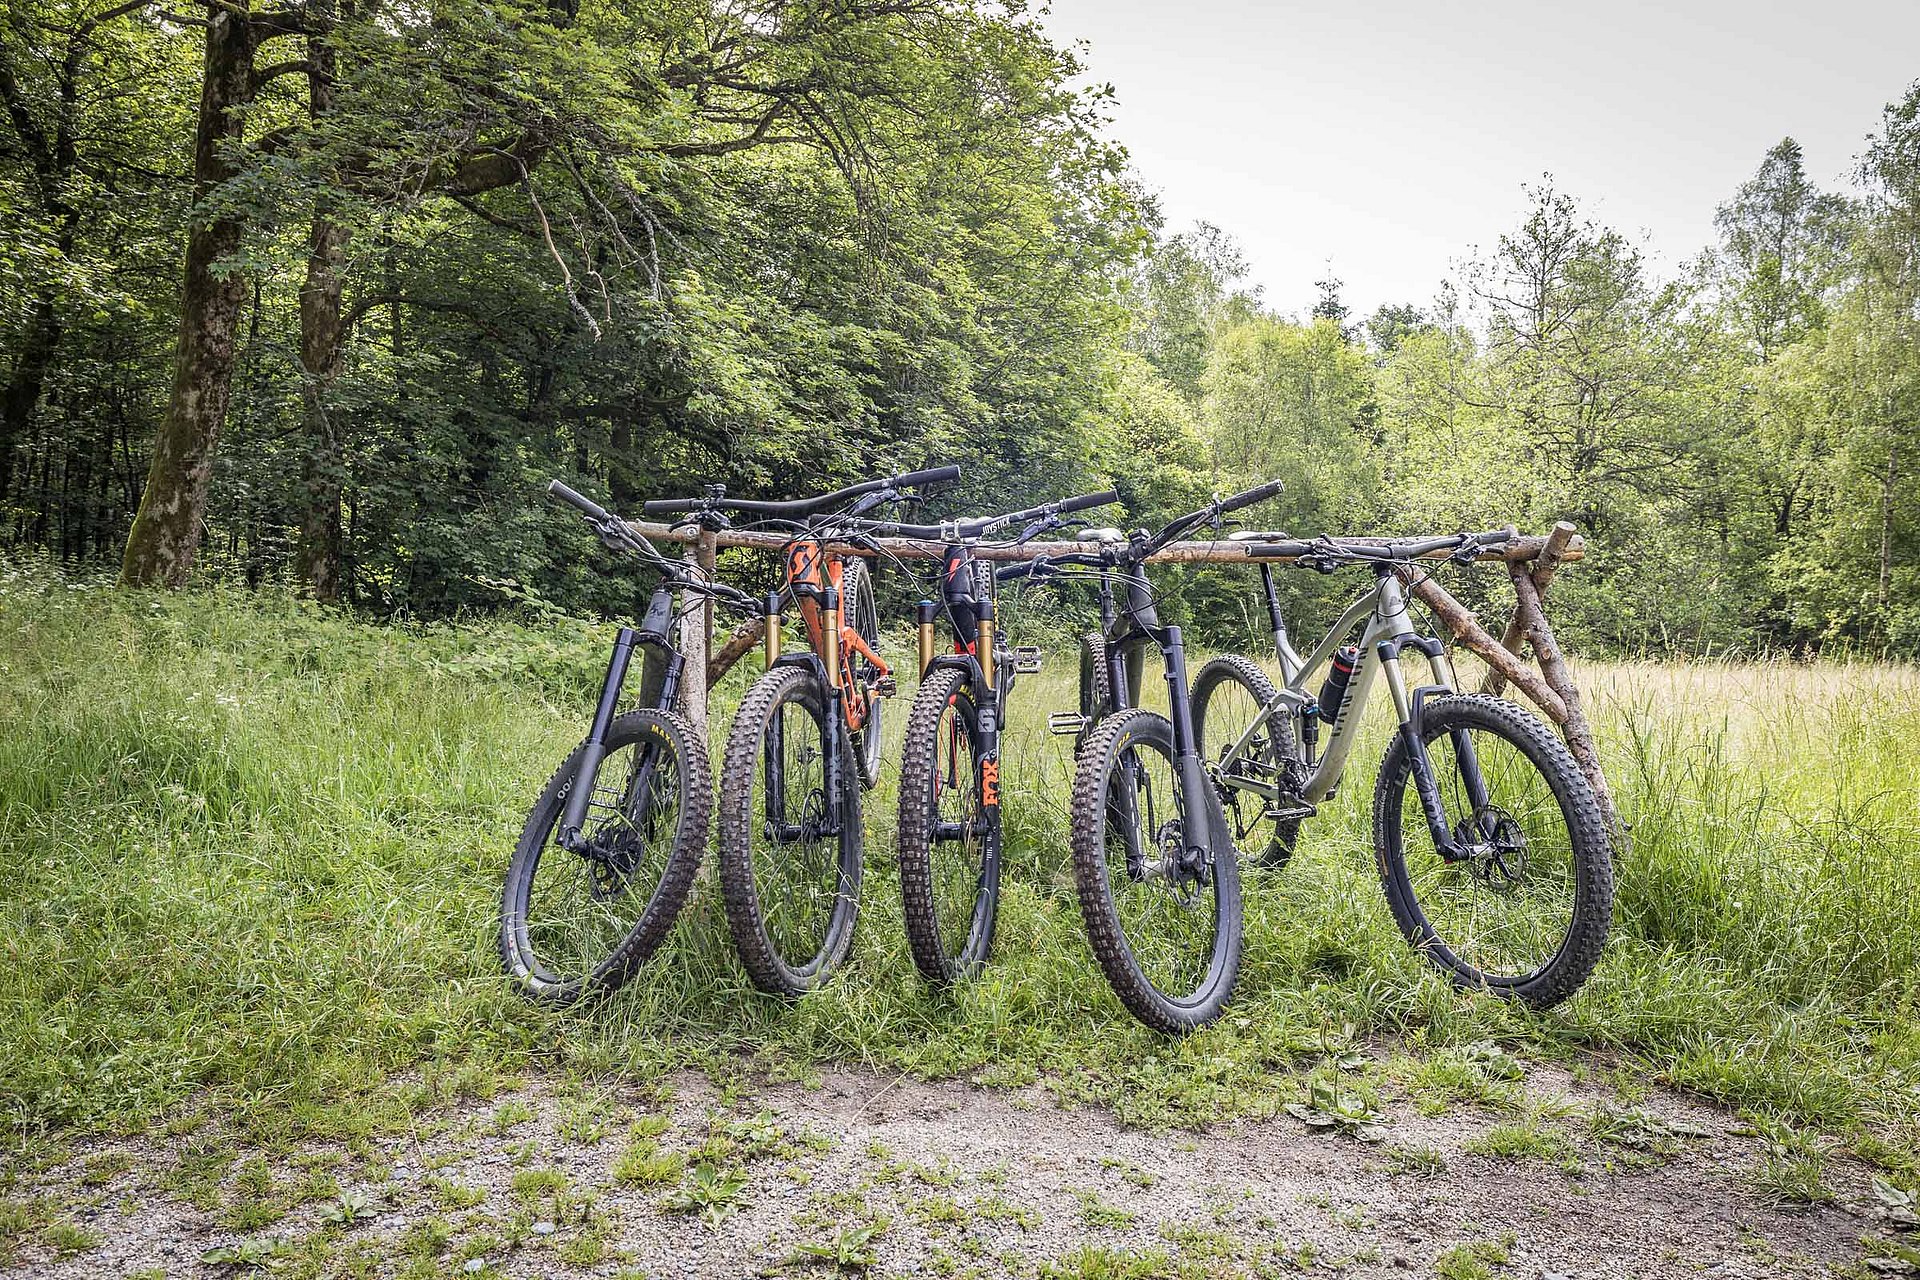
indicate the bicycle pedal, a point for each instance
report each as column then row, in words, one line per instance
column 1288, row 812
column 1066, row 722
column 886, row 687
column 1027, row 658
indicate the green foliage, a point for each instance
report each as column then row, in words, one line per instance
column 787, row 247
column 221, row 802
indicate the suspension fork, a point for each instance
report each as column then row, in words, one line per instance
column 774, row 756
column 1199, row 832
column 1411, row 706
column 594, row 750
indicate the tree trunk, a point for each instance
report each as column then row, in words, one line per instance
column 166, row 531
column 323, row 470
column 1886, row 534
column 24, row 384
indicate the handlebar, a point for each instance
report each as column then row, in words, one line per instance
column 613, row 532
column 1410, row 549
column 1259, row 493
column 967, row 530
column 593, row 510
column 1212, row 511
column 799, row 507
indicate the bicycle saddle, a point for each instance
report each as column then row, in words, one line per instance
column 1104, row 534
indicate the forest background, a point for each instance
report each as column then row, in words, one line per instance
column 322, row 293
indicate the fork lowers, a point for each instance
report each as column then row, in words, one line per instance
column 924, row 614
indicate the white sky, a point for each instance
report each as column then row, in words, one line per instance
column 1393, row 136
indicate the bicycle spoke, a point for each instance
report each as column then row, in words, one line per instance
column 1168, row 923
column 581, row 906
column 1505, row 908
column 797, row 878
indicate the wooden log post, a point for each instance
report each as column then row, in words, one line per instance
column 1553, row 665
column 1544, row 567
column 696, row 634
column 1210, row 552
column 1467, row 630
column 738, row 645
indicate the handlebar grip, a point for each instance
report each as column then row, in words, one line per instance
column 1086, row 501
column 555, row 489
column 667, row 506
column 915, row 479
column 1276, row 550
column 1008, row 573
column 1259, row 493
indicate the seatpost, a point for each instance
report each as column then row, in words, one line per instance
column 1276, row 623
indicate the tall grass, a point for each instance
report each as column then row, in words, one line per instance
column 253, row 852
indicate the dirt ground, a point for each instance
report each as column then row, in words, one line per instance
column 861, row 1172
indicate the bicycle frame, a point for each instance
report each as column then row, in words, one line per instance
column 1387, row 631
column 814, row 574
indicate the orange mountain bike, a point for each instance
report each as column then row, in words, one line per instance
column 791, row 850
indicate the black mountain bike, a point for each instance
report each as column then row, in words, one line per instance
column 609, row 853
column 805, row 741
column 949, row 829
column 1153, row 856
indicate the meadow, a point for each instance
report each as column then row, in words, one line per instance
column 253, row 850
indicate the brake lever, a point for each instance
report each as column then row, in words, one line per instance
column 1037, row 528
column 613, row 533
column 868, row 501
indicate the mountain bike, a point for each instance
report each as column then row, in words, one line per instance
column 1154, row 863
column 949, row 825
column 1489, row 840
column 608, row 855
column 805, row 741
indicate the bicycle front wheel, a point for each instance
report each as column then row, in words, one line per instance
column 573, row 923
column 1525, row 911
column 790, row 848
column 1165, row 930
column 949, row 836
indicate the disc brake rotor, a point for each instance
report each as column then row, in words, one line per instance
column 1496, row 848
column 612, row 855
column 1183, row 882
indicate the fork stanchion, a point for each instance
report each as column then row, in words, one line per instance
column 924, row 615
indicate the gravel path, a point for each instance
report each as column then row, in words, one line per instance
column 896, row 1177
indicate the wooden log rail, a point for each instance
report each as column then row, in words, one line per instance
column 1531, row 564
